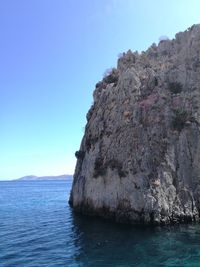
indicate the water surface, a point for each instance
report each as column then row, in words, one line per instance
column 38, row 228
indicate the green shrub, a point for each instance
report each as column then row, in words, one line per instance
column 90, row 140
column 180, row 118
column 80, row 154
column 111, row 76
column 175, row 87
column 122, row 173
column 111, row 79
column 115, row 164
column 156, row 81
column 99, row 167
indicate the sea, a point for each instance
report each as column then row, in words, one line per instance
column 38, row 228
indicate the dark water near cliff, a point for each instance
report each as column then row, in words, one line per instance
column 37, row 228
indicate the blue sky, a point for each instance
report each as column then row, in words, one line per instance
column 52, row 53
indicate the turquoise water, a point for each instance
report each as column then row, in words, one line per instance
column 38, row 228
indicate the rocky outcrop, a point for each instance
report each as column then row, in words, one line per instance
column 139, row 160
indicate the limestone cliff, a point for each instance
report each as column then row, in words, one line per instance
column 139, row 160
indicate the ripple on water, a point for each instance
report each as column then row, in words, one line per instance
column 37, row 228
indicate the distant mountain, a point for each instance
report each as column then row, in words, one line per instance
column 45, row 178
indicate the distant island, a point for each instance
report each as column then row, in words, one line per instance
column 45, row 178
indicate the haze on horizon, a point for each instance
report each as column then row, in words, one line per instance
column 52, row 53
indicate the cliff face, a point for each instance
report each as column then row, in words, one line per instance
column 139, row 159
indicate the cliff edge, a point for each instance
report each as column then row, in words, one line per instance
column 139, row 159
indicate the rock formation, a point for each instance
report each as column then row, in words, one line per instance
column 139, row 160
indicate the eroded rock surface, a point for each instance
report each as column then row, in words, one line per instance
column 139, row 160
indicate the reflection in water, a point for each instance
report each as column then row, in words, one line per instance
column 102, row 243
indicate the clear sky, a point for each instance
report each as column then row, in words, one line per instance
column 52, row 53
